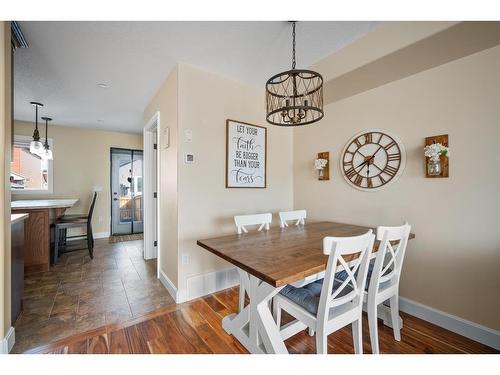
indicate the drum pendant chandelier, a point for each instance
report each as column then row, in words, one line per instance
column 294, row 97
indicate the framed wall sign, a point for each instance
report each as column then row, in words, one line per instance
column 246, row 148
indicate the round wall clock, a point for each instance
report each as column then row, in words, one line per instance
column 372, row 160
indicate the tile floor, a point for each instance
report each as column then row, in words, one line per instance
column 80, row 294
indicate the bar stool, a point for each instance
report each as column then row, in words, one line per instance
column 74, row 221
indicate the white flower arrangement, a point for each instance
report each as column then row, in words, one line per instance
column 435, row 150
column 319, row 164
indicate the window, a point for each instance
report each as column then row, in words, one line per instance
column 28, row 172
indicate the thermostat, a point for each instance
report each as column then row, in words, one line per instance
column 188, row 158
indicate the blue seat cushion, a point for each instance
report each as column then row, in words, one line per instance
column 308, row 295
column 342, row 275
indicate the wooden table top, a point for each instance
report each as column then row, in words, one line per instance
column 281, row 256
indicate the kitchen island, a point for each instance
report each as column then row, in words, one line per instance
column 38, row 233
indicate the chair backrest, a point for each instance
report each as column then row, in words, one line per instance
column 92, row 205
column 241, row 221
column 298, row 215
column 389, row 259
column 351, row 291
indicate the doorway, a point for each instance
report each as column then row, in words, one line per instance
column 151, row 191
column 126, row 191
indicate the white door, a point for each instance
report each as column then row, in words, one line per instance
column 126, row 191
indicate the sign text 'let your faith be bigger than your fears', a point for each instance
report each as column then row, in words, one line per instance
column 246, row 155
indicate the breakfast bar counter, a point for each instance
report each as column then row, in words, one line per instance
column 38, row 235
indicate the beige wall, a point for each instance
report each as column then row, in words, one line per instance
column 206, row 207
column 194, row 201
column 81, row 162
column 5, row 133
column 384, row 40
column 165, row 102
column 455, row 42
column 453, row 263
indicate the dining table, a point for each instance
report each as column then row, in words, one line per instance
column 269, row 260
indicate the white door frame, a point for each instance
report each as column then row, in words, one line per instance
column 151, row 216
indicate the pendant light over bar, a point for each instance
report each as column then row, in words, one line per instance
column 35, row 145
column 47, row 152
column 294, row 97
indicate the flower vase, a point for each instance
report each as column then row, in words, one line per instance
column 434, row 167
column 321, row 173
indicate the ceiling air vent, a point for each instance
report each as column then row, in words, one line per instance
column 17, row 38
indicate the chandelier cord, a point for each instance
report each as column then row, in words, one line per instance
column 293, row 45
column 36, row 118
column 36, row 134
column 46, row 134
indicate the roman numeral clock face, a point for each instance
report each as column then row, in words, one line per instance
column 372, row 160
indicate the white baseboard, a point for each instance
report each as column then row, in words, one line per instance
column 207, row 283
column 101, row 235
column 8, row 341
column 463, row 327
column 169, row 285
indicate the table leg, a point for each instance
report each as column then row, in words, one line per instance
column 254, row 326
column 244, row 286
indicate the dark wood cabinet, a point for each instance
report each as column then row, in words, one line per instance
column 39, row 237
column 17, row 267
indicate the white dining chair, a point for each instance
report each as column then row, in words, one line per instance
column 242, row 221
column 383, row 279
column 298, row 216
column 327, row 305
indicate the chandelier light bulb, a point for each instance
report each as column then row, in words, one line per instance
column 46, row 154
column 36, row 147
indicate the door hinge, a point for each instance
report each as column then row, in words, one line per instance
column 155, row 243
column 155, row 146
column 155, row 195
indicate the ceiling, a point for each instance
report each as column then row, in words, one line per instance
column 66, row 61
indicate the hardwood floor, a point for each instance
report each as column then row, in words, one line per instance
column 195, row 327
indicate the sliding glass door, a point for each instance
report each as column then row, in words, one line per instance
column 126, row 191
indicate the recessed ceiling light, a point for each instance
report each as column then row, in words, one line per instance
column 103, row 85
